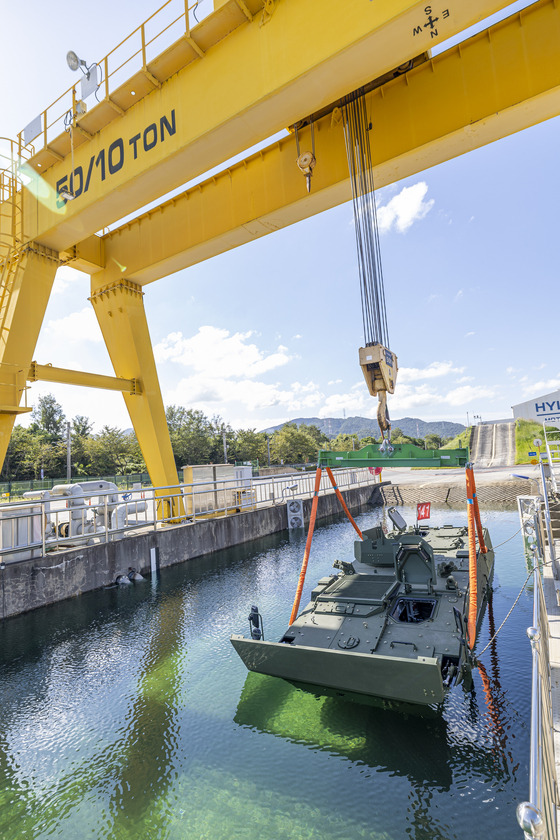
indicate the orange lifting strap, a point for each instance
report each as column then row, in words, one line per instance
column 307, row 551
column 312, row 519
column 343, row 503
column 473, row 514
column 474, row 497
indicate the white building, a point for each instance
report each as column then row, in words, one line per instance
column 545, row 409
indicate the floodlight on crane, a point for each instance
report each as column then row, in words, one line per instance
column 74, row 62
column 66, row 194
column 90, row 81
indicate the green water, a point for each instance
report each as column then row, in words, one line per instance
column 127, row 714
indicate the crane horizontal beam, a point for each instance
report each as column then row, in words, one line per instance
column 48, row 373
column 250, row 84
column 499, row 81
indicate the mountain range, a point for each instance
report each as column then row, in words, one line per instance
column 362, row 426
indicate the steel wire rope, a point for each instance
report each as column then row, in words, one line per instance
column 494, row 547
column 528, row 578
column 358, row 152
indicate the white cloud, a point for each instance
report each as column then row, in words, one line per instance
column 65, row 276
column 468, row 335
column 408, row 398
column 405, row 208
column 467, row 393
column 235, row 400
column 215, row 352
column 545, row 386
column 353, row 402
column 77, row 327
column 432, row 371
column 458, row 296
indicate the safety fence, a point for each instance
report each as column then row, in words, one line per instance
column 538, row 817
column 95, row 511
column 552, row 444
column 16, row 489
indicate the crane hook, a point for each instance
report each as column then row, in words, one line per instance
column 306, row 163
column 306, row 160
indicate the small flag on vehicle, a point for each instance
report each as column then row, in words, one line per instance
column 423, row 511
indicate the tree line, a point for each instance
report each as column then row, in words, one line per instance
column 40, row 450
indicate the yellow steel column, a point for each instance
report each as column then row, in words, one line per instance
column 27, row 278
column 121, row 315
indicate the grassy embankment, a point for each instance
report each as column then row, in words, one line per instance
column 525, row 433
column 460, row 440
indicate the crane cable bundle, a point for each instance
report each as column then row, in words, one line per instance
column 379, row 365
column 356, row 136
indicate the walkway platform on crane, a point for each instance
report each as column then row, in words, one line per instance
column 396, row 455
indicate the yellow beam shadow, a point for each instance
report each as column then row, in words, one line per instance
column 500, row 81
column 250, row 84
column 48, row 373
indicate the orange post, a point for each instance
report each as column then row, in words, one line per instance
column 473, row 570
column 307, row 551
column 342, row 502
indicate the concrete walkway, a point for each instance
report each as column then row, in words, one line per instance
column 493, row 445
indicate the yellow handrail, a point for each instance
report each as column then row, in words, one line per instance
column 49, row 120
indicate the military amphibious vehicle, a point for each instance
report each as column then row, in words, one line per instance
column 391, row 624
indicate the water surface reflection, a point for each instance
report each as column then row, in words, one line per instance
column 127, row 714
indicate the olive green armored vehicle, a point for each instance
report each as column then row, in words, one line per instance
column 391, row 624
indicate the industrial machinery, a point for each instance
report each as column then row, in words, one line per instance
column 115, row 143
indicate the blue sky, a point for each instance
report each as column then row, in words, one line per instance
column 271, row 331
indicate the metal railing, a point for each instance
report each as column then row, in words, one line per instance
column 16, row 489
column 70, row 515
column 546, row 514
column 169, row 24
column 552, row 443
column 538, row 817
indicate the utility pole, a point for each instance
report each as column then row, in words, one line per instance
column 225, row 448
column 68, row 453
column 268, row 447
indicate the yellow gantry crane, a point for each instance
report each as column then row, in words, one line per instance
column 248, row 70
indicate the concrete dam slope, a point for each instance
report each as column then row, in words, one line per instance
column 493, row 445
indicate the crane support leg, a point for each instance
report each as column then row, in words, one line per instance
column 27, row 279
column 121, row 315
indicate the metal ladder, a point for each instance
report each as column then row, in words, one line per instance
column 552, row 443
column 11, row 223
